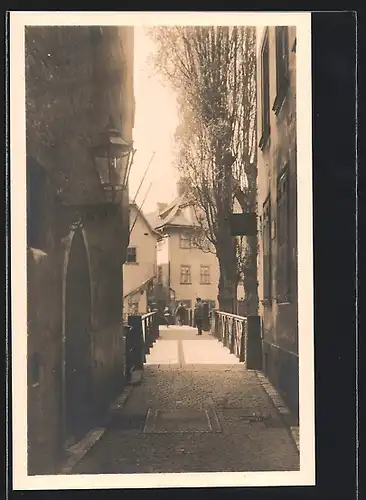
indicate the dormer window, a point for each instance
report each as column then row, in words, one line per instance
column 185, row 241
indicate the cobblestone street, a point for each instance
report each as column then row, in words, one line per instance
column 196, row 410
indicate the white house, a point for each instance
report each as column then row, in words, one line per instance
column 184, row 270
column 139, row 269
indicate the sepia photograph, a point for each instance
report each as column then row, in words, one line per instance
column 161, row 249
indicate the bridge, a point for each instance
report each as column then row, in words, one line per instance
column 196, row 406
column 180, row 346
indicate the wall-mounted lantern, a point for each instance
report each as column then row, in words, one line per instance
column 113, row 158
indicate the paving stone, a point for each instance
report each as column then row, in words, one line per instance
column 248, row 434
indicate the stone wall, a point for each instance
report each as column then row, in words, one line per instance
column 77, row 80
column 278, row 316
column 44, row 362
column 46, row 330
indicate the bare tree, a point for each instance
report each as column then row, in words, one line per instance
column 213, row 72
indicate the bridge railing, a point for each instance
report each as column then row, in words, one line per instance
column 141, row 333
column 150, row 329
column 231, row 330
column 242, row 336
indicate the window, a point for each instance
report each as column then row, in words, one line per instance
column 131, row 255
column 282, row 66
column 185, row 275
column 134, row 308
column 199, row 241
column 205, row 275
column 185, row 241
column 194, row 242
column 265, row 92
column 283, row 238
column 267, row 251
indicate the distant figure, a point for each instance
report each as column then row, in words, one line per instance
column 180, row 313
column 198, row 315
column 167, row 316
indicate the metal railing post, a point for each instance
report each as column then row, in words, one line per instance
column 243, row 343
column 134, row 345
column 216, row 324
column 220, row 327
column 156, row 323
column 141, row 332
column 253, row 350
column 151, row 321
column 232, row 336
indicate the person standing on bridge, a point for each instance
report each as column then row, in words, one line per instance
column 180, row 313
column 198, row 315
column 167, row 316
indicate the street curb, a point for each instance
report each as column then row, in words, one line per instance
column 78, row 451
column 279, row 404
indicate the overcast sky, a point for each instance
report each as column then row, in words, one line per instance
column 155, row 123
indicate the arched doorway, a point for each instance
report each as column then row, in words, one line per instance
column 78, row 392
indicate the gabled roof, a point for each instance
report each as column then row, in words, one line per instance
column 172, row 215
column 153, row 219
column 144, row 217
column 171, row 207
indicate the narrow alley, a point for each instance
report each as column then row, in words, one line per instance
column 161, row 176
column 196, row 409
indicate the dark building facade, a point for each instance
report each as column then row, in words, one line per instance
column 277, row 207
column 79, row 82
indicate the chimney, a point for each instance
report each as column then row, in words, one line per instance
column 161, row 206
column 181, row 187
